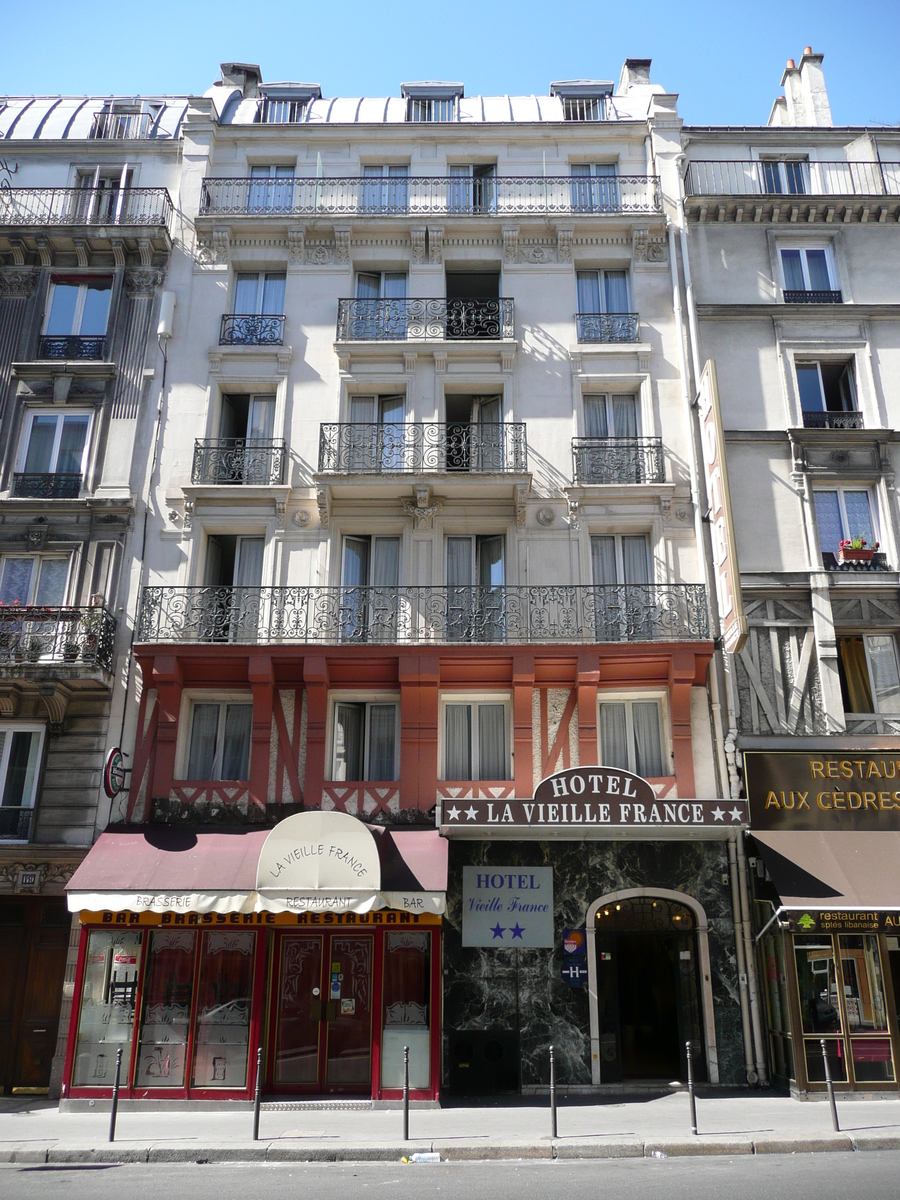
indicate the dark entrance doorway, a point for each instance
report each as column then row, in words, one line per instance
column 648, row 992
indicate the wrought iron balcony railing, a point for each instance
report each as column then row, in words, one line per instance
column 608, row 327
column 509, row 195
column 808, row 296
column 414, row 614
column 238, row 460
column 250, row 329
column 39, row 634
column 792, row 178
column 833, row 420
column 72, row 347
column 15, row 824
column 429, row 320
column 392, row 448
column 618, row 460
column 109, row 125
column 85, row 206
column 46, row 485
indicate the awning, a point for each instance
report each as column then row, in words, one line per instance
column 310, row 862
column 833, row 870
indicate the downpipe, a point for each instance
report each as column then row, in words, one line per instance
column 755, row 1017
column 741, row 957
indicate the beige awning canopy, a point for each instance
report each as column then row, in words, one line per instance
column 833, row 870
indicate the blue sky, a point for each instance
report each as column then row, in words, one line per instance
column 725, row 60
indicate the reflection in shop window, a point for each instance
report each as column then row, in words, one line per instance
column 407, row 989
column 165, row 1019
column 106, row 1020
column 224, row 994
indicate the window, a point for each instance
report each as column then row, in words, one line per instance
column 473, row 188
column 624, row 602
column 602, row 292
column 103, row 194
column 826, row 387
column 271, row 188
column 245, row 451
column 259, row 292
column 616, row 416
column 621, row 558
column 123, row 120
column 233, row 603
column 844, row 513
column 474, row 433
column 380, row 309
column 375, row 438
column 34, row 579
column 422, row 108
column 630, row 737
column 807, row 270
column 384, row 188
column 220, row 741
column 54, row 443
column 594, row 187
column 77, row 312
column 366, row 741
column 476, row 597
column 476, row 739
column 870, row 674
column 784, row 177
column 280, row 111
column 370, row 579
column 584, row 108
column 20, row 758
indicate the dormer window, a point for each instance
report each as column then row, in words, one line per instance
column 287, row 104
column 433, row 102
column 583, row 100
column 124, row 119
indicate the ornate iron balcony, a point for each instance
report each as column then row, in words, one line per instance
column 413, row 614
column 117, row 125
column 792, row 178
column 37, row 634
column 72, row 347
column 46, row 486
column 833, row 420
column 429, row 320
column 85, row 206
column 417, row 196
column 249, row 329
column 608, row 327
column 15, row 824
column 803, row 296
column 389, row 449
column 238, row 460
column 618, row 460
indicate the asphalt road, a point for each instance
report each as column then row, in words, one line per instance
column 873, row 1175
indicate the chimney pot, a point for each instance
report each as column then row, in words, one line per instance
column 791, row 64
column 807, row 50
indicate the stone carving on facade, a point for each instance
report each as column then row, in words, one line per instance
column 25, row 876
column 647, row 249
column 43, row 249
column 546, row 516
column 422, row 514
column 521, row 504
column 37, row 536
column 417, row 246
column 212, row 249
column 574, row 515
column 342, row 246
column 302, row 517
column 142, row 282
column 435, row 246
column 17, row 283
column 118, row 248
column 510, row 246
column 322, row 505
column 536, row 253
column 188, row 515
column 17, row 249
column 320, row 254
column 296, row 244
column 564, row 241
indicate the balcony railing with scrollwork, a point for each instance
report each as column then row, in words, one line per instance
column 72, row 347
column 428, row 320
column 414, row 614
column 502, row 195
column 250, row 329
column 238, row 460
column 809, row 296
column 15, row 824
column 395, row 448
column 765, row 177
column 608, row 327
column 618, row 460
column 115, row 125
column 85, row 206
column 46, row 485
column 833, row 420
column 35, row 633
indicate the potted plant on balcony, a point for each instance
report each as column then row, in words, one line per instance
column 855, row 550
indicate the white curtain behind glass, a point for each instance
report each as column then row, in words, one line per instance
column 636, row 559
column 647, row 746
column 595, row 422
column 349, row 725
column 614, row 736
column 492, row 741
column 236, row 743
column 625, row 423
column 457, row 741
column 249, row 562
column 588, row 283
column 382, row 737
column 616, row 287
column 202, row 754
column 603, row 560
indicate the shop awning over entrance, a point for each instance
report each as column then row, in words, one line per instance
column 828, row 870
column 310, row 862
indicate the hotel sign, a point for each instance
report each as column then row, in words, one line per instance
column 802, row 920
column 724, row 547
column 507, row 907
column 842, row 790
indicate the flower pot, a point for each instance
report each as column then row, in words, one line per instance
column 849, row 555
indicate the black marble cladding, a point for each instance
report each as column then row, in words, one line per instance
column 523, row 990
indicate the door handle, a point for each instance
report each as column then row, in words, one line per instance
column 315, row 1010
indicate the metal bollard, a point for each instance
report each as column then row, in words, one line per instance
column 690, row 1081
column 552, row 1093
column 829, row 1087
column 406, row 1093
column 114, row 1111
column 257, row 1099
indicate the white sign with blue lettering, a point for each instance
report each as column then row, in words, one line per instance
column 506, row 907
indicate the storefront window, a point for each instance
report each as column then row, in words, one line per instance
column 106, row 1021
column 224, row 995
column 165, row 1020
column 407, row 990
column 779, row 1010
column 866, row 1005
column 817, row 982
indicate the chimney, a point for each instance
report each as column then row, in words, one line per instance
column 635, row 73
column 246, row 76
column 805, row 100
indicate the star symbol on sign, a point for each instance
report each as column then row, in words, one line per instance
column 736, row 814
column 471, row 813
column 517, row 930
column 498, row 930
column 453, row 813
column 719, row 813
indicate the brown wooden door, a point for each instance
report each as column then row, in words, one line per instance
column 34, row 935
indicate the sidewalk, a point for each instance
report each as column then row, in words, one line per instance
column 34, row 1131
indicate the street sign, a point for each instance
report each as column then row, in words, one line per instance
column 114, row 773
column 574, row 942
column 575, row 972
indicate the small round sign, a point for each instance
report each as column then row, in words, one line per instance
column 114, row 773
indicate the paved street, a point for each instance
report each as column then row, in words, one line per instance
column 874, row 1176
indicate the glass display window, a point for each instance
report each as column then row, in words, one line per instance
column 224, row 1004
column 109, row 989
column 166, row 1015
column 406, row 1015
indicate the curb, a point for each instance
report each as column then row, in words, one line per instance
column 276, row 1152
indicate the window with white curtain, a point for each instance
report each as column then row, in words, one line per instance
column 620, row 558
column 271, row 189
column 807, row 269
column 54, row 443
column 845, row 513
column 370, row 581
column 594, row 187
column 385, row 188
column 375, row 437
column 476, row 739
column 259, row 293
column 602, row 292
column 365, row 740
column 34, row 579
column 612, row 416
column 219, row 740
column 631, row 737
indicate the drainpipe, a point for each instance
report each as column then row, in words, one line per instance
column 740, row 955
column 756, row 1021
